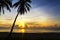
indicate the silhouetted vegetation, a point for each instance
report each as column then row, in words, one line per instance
column 5, row 4
column 22, row 7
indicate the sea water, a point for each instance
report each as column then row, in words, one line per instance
column 29, row 30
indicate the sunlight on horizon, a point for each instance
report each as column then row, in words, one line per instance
column 22, row 30
column 21, row 23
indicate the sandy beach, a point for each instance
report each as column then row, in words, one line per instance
column 30, row 36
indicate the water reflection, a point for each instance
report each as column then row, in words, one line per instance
column 29, row 30
column 21, row 30
column 34, row 30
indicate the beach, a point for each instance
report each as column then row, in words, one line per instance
column 30, row 36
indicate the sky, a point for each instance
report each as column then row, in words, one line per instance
column 43, row 12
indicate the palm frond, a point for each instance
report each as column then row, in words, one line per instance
column 5, row 4
column 16, row 4
column 23, row 6
column 28, row 4
column 3, row 10
column 0, row 9
column 9, row 2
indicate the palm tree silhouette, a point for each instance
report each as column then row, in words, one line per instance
column 23, row 6
column 5, row 4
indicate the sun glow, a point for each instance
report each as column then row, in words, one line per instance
column 21, row 24
column 21, row 30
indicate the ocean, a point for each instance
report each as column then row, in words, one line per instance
column 29, row 30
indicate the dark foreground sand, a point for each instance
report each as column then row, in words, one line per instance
column 31, row 36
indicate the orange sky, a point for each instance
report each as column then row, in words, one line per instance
column 22, row 22
column 34, row 16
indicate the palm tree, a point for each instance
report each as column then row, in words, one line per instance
column 5, row 4
column 23, row 6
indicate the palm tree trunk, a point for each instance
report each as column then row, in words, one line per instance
column 13, row 26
